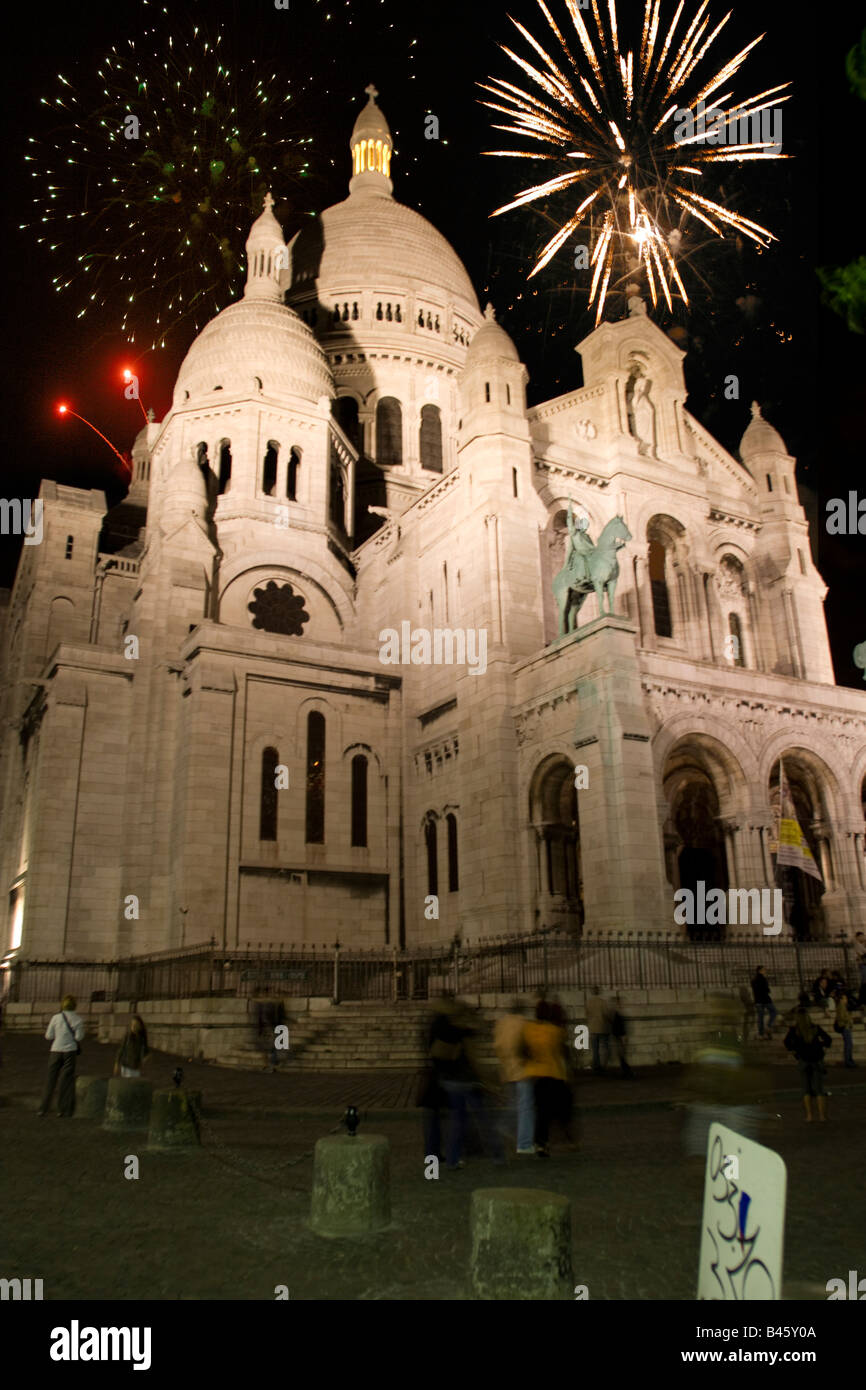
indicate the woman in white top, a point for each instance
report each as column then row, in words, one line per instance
column 64, row 1032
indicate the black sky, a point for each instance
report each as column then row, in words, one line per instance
column 813, row 387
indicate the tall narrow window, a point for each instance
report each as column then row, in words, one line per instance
column 315, row 778
column 359, row 801
column 453, row 876
column 659, row 587
column 225, row 465
column 514, row 482
column 735, row 629
column 432, row 857
column 268, row 797
column 431, row 438
column 487, row 390
column 70, row 542
column 389, row 432
column 269, row 470
column 292, row 475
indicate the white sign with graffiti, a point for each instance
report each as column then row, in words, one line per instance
column 743, row 1225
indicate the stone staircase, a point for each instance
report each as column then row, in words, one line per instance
column 351, row 1037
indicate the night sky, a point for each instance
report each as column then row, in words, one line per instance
column 790, row 353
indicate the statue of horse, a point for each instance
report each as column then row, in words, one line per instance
column 597, row 570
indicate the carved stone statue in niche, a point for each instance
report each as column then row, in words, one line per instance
column 730, row 579
column 641, row 410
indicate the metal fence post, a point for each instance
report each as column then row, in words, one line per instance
column 336, row 972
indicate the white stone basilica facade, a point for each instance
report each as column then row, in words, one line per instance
column 200, row 738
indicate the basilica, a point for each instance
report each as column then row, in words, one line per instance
column 208, row 731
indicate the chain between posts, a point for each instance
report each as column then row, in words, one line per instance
column 255, row 1170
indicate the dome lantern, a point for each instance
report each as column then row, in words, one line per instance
column 371, row 147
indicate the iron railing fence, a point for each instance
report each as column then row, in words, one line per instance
column 494, row 965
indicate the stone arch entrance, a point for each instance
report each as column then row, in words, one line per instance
column 801, row 893
column 554, row 818
column 702, row 784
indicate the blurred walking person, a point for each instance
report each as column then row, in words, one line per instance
column 133, row 1051
column 842, row 1024
column 508, row 1041
column 65, row 1032
column 808, row 1043
column 462, row 1085
column 618, row 1033
column 270, row 1015
column 763, row 1003
column 546, row 1045
column 598, row 1022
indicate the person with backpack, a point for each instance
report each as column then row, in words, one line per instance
column 65, row 1033
column 808, row 1042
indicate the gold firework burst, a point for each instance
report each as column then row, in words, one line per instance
column 627, row 120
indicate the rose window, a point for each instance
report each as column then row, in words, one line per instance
column 277, row 608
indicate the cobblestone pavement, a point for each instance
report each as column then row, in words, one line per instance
column 230, row 1221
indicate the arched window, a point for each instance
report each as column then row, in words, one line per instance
column 389, row 432
column 269, row 469
column 315, row 778
column 431, row 438
column 430, row 839
column 225, row 465
column 659, row 588
column 453, row 875
column 359, row 800
column 735, row 644
column 268, row 796
column 292, row 475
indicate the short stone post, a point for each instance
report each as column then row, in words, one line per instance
column 127, row 1103
column 174, row 1120
column 521, row 1244
column 351, row 1185
column 90, row 1094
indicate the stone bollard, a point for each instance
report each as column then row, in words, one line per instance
column 173, row 1120
column 90, row 1094
column 521, row 1244
column 127, row 1104
column 351, row 1185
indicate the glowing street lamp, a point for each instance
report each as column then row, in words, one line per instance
column 65, row 410
column 130, row 377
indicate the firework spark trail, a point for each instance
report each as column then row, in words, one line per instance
column 150, row 231
column 616, row 113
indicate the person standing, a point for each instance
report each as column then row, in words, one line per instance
column 860, row 955
column 808, row 1042
column 508, row 1042
column 763, row 1003
column 133, row 1051
column 65, row 1032
column 618, row 1033
column 270, row 1015
column 546, row 1063
column 843, row 1024
column 598, row 1022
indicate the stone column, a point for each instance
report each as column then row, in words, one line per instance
column 644, row 603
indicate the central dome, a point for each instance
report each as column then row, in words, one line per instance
column 370, row 240
column 255, row 346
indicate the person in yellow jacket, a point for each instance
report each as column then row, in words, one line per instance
column 508, row 1040
column 545, row 1045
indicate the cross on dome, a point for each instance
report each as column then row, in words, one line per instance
column 269, row 202
column 371, row 92
column 490, row 313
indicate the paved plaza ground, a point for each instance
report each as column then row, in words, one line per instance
column 230, row 1221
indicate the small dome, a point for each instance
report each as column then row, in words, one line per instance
column 491, row 341
column 760, row 438
column 255, row 341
